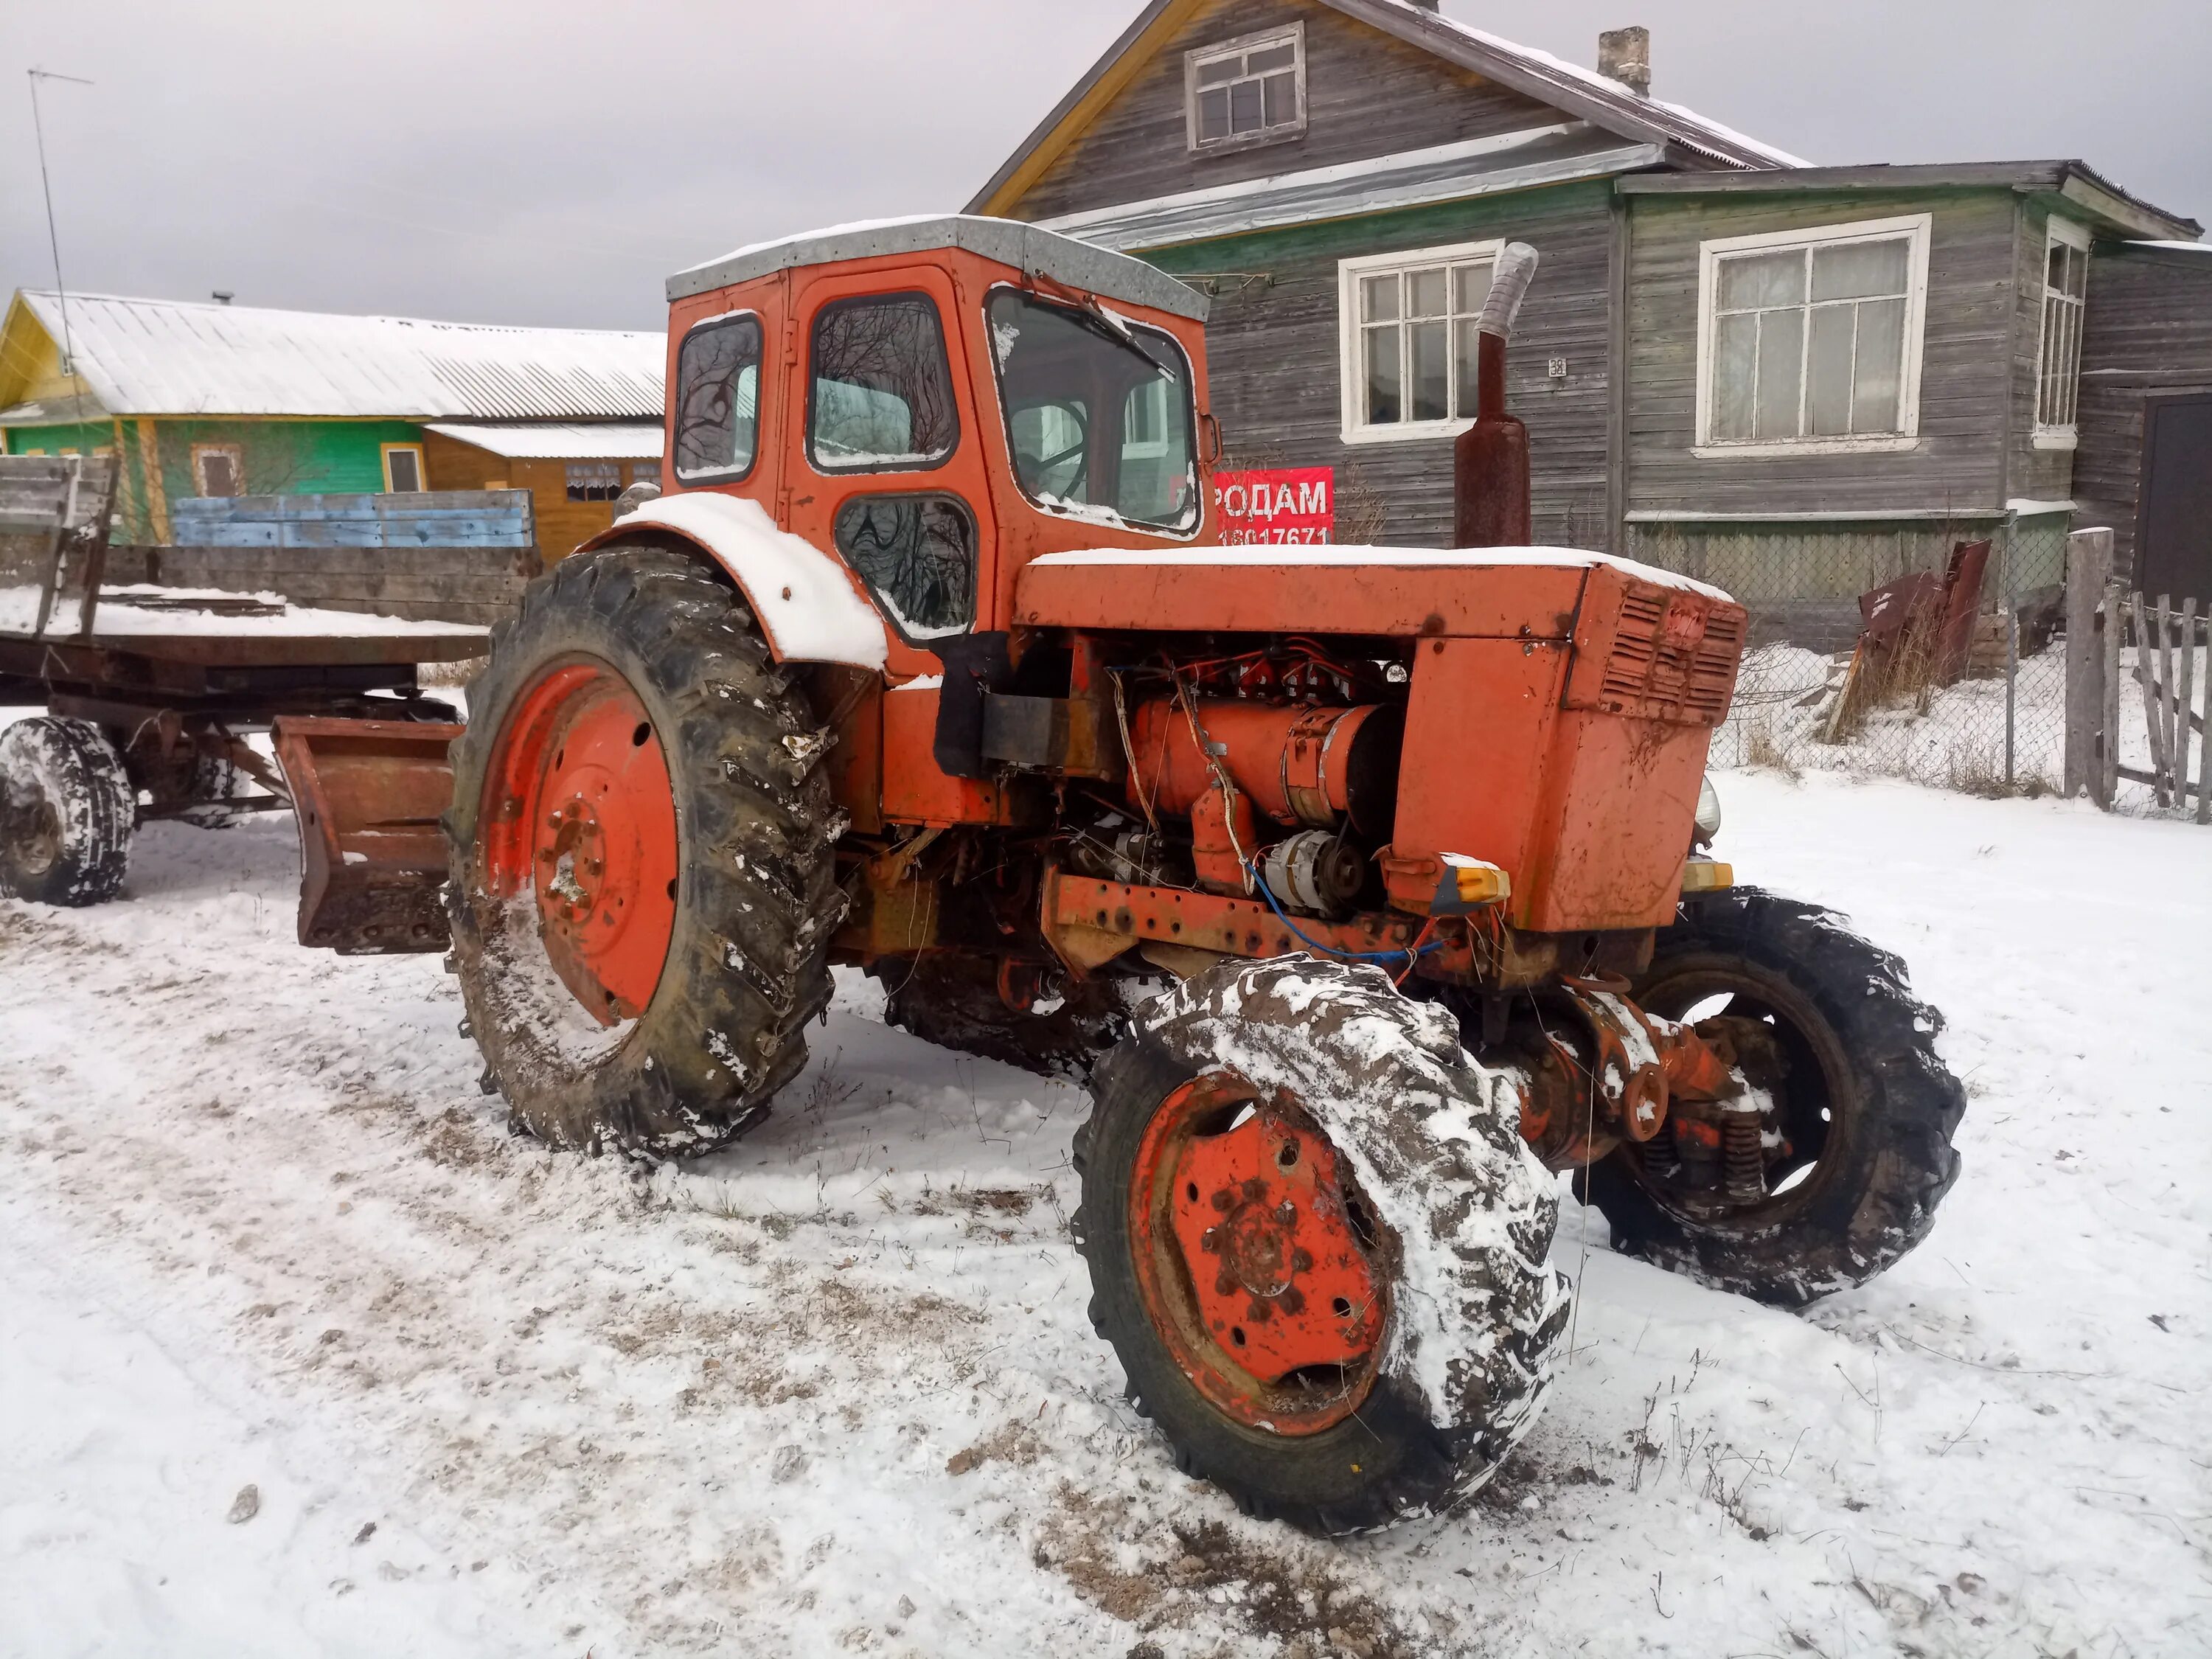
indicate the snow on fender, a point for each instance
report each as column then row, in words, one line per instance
column 805, row 600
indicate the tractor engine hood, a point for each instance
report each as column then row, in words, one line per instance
column 1490, row 592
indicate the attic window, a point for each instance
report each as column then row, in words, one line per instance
column 1247, row 91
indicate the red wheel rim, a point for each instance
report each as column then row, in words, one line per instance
column 1258, row 1268
column 578, row 812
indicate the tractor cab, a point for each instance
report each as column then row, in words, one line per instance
column 937, row 402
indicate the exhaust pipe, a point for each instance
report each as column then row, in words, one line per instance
column 1490, row 461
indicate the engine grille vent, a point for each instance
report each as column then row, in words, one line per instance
column 1677, row 667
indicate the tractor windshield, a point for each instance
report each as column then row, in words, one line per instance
column 1098, row 411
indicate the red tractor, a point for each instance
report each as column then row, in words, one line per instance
column 1365, row 887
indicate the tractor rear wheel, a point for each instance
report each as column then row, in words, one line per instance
column 1317, row 1244
column 1855, row 1153
column 67, row 810
column 642, row 890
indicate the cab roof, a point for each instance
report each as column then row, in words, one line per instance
column 1028, row 248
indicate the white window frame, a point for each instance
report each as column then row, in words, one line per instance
column 2076, row 237
column 1294, row 36
column 1918, row 227
column 384, row 452
column 1352, row 381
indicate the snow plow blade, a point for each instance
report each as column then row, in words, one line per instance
column 372, row 856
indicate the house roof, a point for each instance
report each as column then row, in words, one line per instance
column 177, row 357
column 1444, row 172
column 1584, row 93
column 1026, row 247
column 604, row 441
column 2113, row 210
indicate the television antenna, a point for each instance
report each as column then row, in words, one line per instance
column 53, row 237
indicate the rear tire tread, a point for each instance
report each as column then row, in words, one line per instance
column 747, row 965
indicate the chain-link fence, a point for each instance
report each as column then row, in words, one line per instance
column 1808, row 696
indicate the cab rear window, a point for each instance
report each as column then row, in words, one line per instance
column 718, row 399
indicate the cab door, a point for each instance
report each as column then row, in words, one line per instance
column 885, row 463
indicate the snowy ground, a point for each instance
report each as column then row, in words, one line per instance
column 834, row 1391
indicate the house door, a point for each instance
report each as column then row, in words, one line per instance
column 2173, row 537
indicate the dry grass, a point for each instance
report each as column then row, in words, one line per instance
column 1763, row 749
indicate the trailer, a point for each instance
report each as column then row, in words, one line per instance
column 152, row 694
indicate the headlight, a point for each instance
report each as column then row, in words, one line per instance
column 1709, row 812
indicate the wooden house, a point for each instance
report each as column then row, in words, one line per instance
column 2145, row 464
column 213, row 400
column 574, row 471
column 1790, row 377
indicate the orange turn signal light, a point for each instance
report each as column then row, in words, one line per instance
column 1707, row 876
column 1469, row 885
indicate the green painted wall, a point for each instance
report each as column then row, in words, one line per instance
column 281, row 458
column 54, row 439
column 286, row 458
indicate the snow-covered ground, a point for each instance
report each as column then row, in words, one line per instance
column 834, row 1390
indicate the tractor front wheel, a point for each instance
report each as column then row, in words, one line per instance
column 642, row 890
column 1839, row 1175
column 1317, row 1243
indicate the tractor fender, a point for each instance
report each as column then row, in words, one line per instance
column 807, row 603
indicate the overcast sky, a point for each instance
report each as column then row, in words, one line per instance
column 551, row 161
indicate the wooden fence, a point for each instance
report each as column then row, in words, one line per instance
column 54, row 517
column 479, row 586
column 443, row 518
column 2105, row 623
column 460, row 556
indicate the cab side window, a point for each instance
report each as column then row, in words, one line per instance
column 917, row 554
column 718, row 400
column 880, row 398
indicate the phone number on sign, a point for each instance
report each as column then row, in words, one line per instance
column 1284, row 537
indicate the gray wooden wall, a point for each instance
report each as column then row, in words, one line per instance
column 2043, row 475
column 1273, row 353
column 1367, row 95
column 2148, row 329
column 1966, row 376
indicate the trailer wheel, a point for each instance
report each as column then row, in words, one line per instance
column 66, row 813
column 1317, row 1244
column 1856, row 1152
column 642, row 890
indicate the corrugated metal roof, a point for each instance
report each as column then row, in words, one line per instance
column 175, row 357
column 565, row 441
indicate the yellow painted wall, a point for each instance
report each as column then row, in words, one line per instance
column 563, row 524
